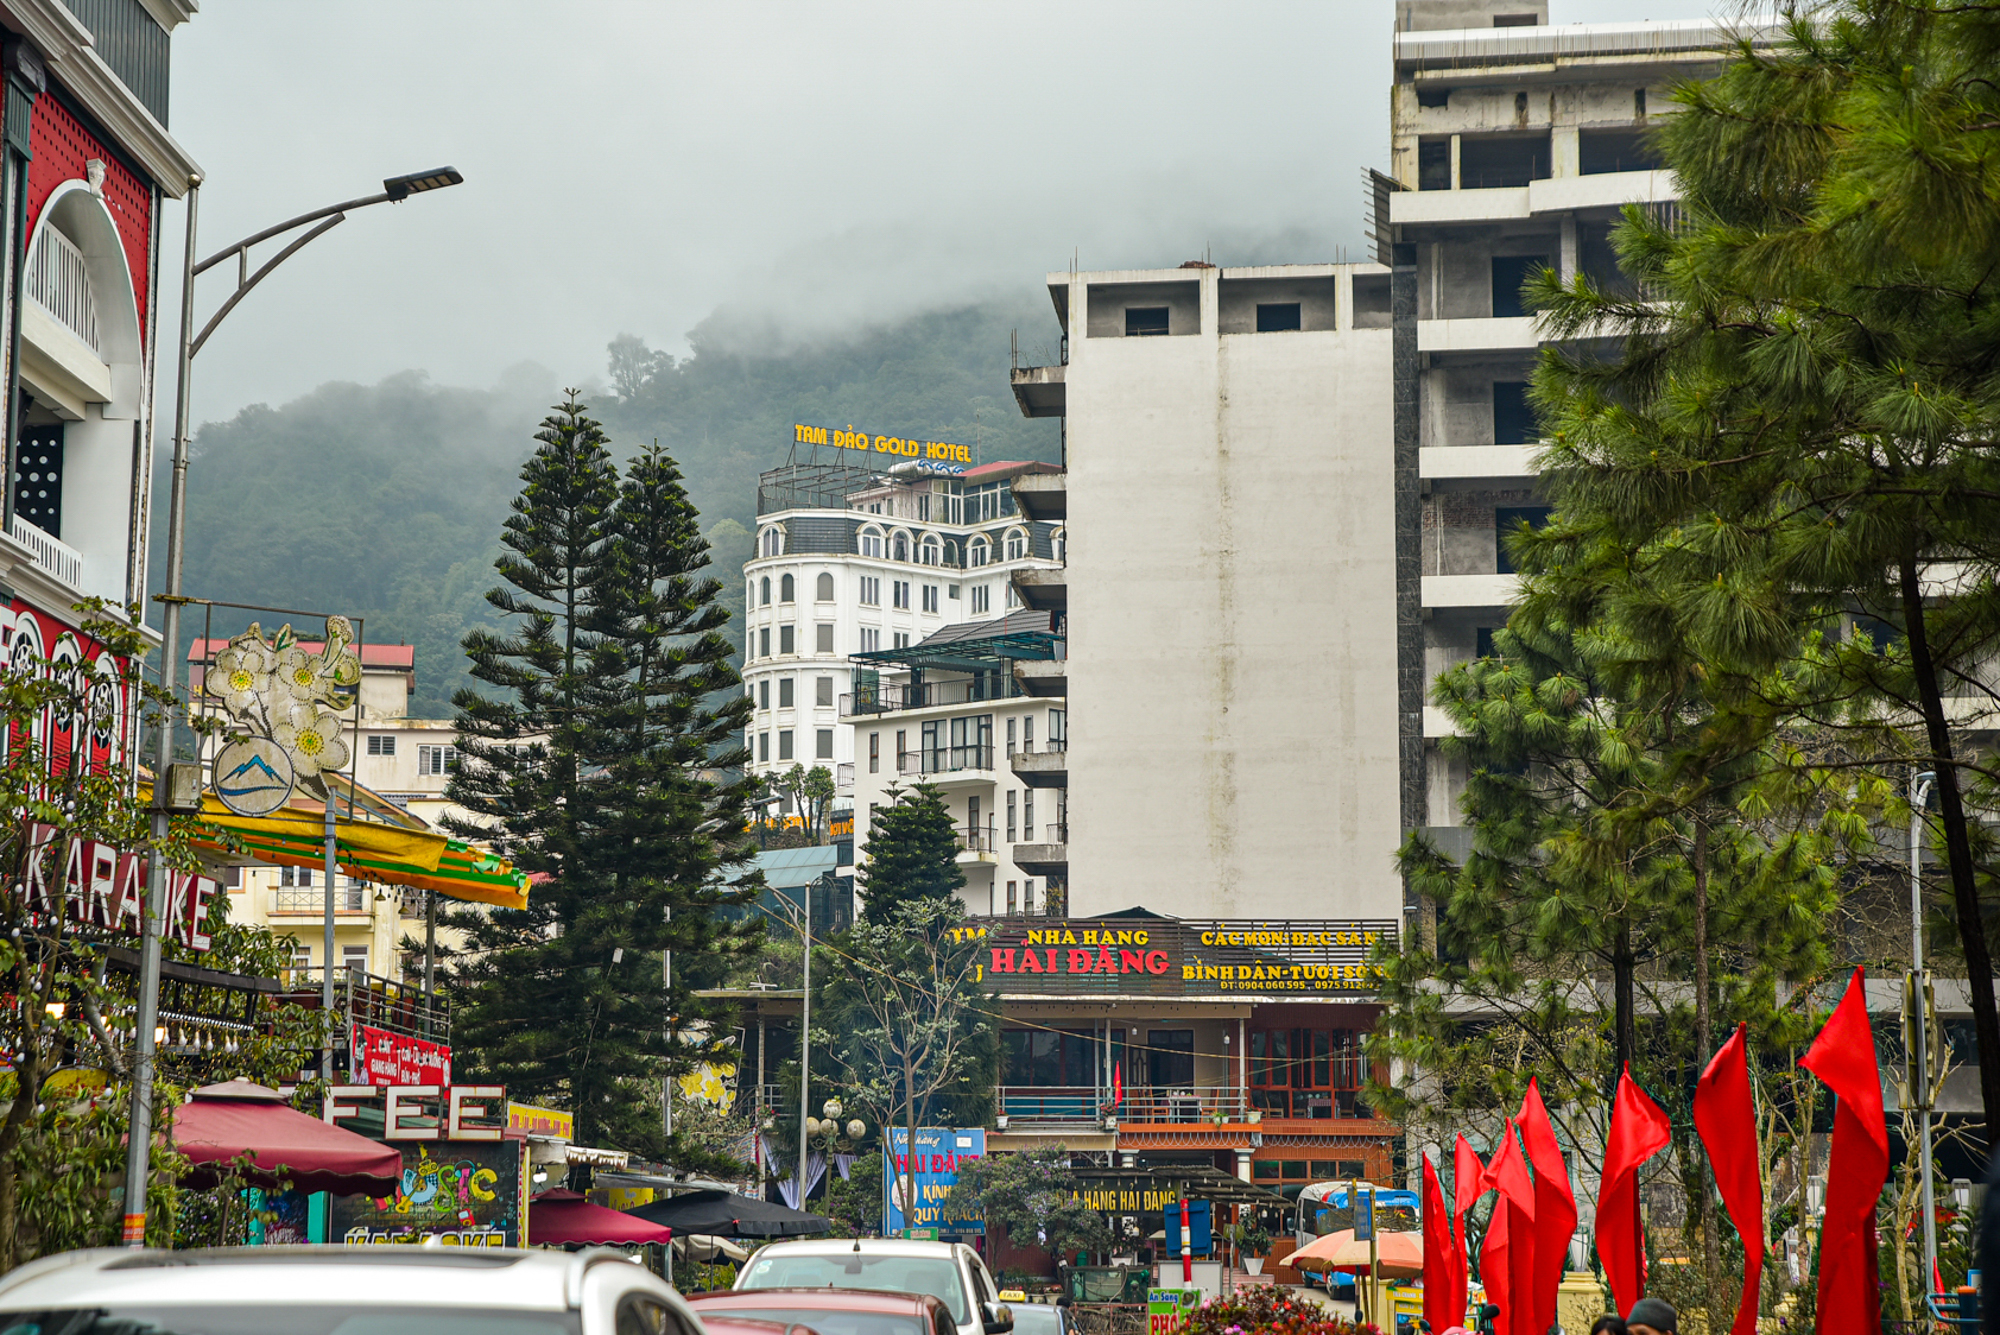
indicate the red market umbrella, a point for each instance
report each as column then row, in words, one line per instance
column 221, row 1123
column 560, row 1216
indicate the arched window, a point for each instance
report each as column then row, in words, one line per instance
column 901, row 550
column 978, row 553
column 785, row 589
column 1061, row 544
column 767, row 591
column 825, row 591
column 931, row 552
column 871, row 542
column 772, row 543
column 1017, row 544
column 951, row 552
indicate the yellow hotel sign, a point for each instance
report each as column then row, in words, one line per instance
column 939, row 451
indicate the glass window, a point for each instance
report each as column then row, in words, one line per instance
column 784, row 743
column 902, row 548
column 763, row 746
column 1309, row 1073
column 874, row 753
column 871, row 542
column 785, row 587
column 823, row 637
column 825, row 588
column 785, row 700
column 786, row 638
column 764, row 642
column 978, row 552
column 823, row 691
column 823, row 744
column 1017, row 544
column 1170, row 1059
column 764, row 694
column 767, row 590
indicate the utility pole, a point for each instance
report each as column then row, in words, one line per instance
column 1919, row 1078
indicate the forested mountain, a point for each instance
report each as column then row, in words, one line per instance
column 385, row 501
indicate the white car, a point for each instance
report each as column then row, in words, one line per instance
column 950, row 1271
column 340, row 1291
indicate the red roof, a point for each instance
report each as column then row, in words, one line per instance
column 222, row 1122
column 372, row 655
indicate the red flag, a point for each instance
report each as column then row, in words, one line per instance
column 1117, row 1086
column 1508, row 1174
column 1468, row 1184
column 1444, row 1262
column 1843, row 1057
column 1555, row 1207
column 1725, row 1116
column 1639, row 1130
column 1495, row 1260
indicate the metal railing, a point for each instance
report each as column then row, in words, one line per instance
column 843, row 777
column 945, row 759
column 59, row 282
column 51, row 553
column 360, row 997
column 1050, row 1103
column 348, row 897
column 977, row 839
column 1183, row 1105
column 890, row 697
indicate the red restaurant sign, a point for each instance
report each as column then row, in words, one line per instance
column 383, row 1058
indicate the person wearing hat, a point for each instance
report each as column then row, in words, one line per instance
column 1652, row 1316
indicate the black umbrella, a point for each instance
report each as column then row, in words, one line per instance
column 729, row 1214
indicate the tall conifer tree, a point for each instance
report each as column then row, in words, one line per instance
column 598, row 765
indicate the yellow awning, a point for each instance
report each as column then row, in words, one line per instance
column 395, row 848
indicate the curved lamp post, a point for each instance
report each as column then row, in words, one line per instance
column 395, row 190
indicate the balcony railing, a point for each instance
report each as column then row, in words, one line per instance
column 348, row 897
column 945, row 760
column 1182, row 1105
column 1051, row 1103
column 59, row 282
column 843, row 777
column 889, row 698
column 51, row 553
column 1084, row 1104
column 977, row 839
column 360, row 997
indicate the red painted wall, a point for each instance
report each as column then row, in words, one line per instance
column 62, row 146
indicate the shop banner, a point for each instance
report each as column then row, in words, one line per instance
column 383, row 1058
column 939, row 1153
column 1167, row 1310
column 1179, row 957
column 464, row 1193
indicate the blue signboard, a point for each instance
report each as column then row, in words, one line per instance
column 939, row 1153
column 1364, row 1214
column 1201, row 1238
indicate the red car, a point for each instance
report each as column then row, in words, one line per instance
column 717, row 1324
column 830, row 1311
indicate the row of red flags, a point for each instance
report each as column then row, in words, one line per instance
column 1526, row 1247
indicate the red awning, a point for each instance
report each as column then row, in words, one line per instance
column 560, row 1216
column 224, row 1121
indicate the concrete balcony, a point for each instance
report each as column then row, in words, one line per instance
column 1476, row 467
column 1471, row 592
column 1040, row 390
column 977, row 845
column 1603, row 191
column 1512, row 333
column 950, row 767
column 1043, row 496
column 1046, row 677
column 1043, row 590
column 1041, row 769
column 1047, row 860
column 1418, row 207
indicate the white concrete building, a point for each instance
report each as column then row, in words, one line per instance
column 1514, row 143
column 1231, row 651
column 852, row 559
column 949, row 712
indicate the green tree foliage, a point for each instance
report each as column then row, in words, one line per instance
column 597, row 763
column 812, row 794
column 1035, row 1195
column 912, row 854
column 1797, row 434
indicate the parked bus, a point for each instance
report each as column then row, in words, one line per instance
column 1328, row 1207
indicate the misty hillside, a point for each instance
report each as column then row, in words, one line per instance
column 385, row 501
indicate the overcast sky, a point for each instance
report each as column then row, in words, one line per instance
column 634, row 166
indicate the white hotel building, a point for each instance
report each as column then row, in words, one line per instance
column 851, row 561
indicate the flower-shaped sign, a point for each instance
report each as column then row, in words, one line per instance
column 289, row 700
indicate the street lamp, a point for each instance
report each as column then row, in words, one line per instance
column 1919, row 1011
column 394, row 190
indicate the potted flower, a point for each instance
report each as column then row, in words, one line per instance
column 1255, row 1244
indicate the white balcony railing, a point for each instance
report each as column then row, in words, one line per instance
column 59, row 282
column 51, row 553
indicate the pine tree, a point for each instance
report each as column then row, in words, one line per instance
column 912, row 853
column 599, row 765
column 1796, row 440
